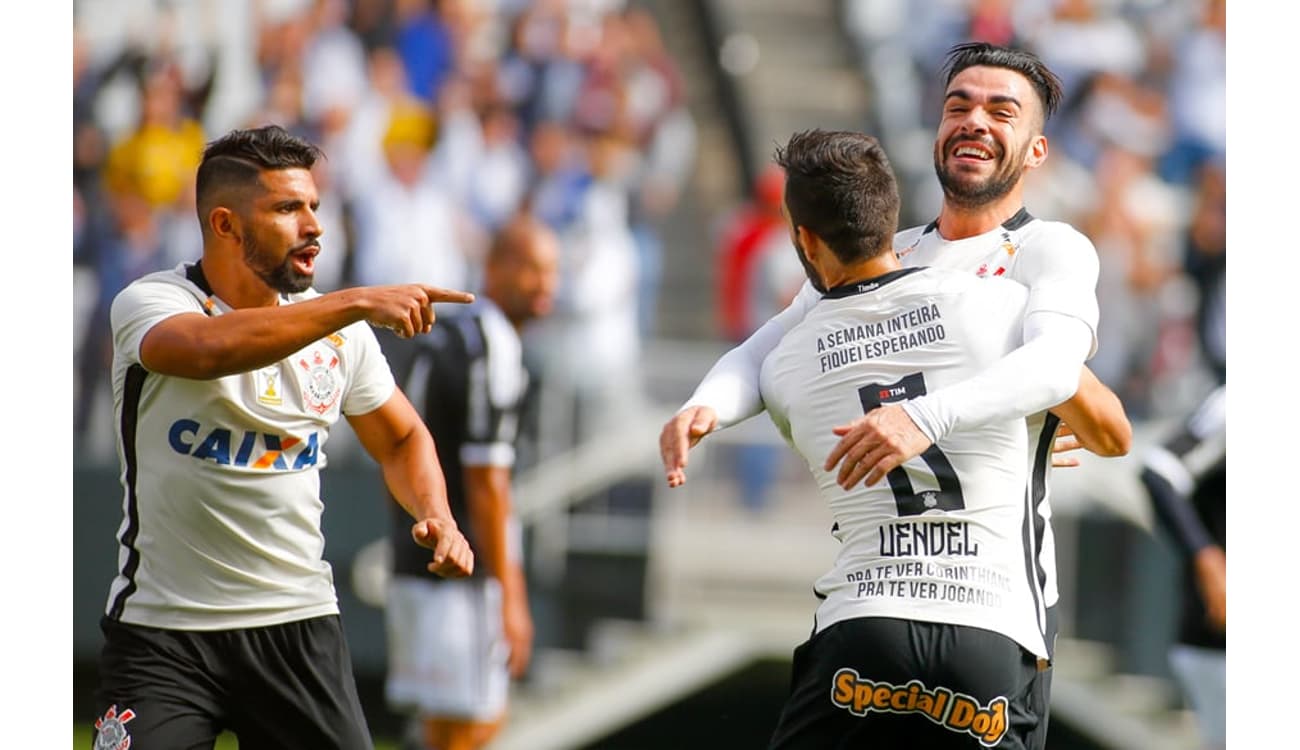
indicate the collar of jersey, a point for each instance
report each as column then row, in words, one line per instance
column 868, row 285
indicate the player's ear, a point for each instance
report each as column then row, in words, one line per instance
column 224, row 223
column 1037, row 153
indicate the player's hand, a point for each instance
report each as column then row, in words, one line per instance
column 517, row 626
column 875, row 444
column 452, row 557
column 680, row 434
column 1211, row 566
column 1064, row 442
column 407, row 309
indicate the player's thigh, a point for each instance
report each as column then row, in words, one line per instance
column 297, row 690
column 447, row 652
column 883, row 682
column 156, row 690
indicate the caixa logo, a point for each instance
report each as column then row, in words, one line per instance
column 256, row 450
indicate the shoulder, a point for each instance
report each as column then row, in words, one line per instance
column 905, row 237
column 160, row 287
column 1054, row 235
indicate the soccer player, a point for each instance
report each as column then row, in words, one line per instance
column 991, row 133
column 1186, row 478
column 932, row 631
column 996, row 102
column 227, row 376
column 453, row 645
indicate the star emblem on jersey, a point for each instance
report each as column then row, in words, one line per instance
column 321, row 386
column 111, row 729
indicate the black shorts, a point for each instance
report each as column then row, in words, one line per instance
column 278, row 687
column 879, row 682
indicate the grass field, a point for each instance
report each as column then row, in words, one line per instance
column 81, row 740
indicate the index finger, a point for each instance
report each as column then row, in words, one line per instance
column 438, row 294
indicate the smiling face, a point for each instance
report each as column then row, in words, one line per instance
column 990, row 133
column 282, row 234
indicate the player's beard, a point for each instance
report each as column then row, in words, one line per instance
column 280, row 276
column 971, row 192
column 808, row 267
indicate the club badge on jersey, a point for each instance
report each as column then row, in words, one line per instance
column 110, row 729
column 321, row 385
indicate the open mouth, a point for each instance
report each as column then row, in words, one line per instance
column 304, row 260
column 969, row 151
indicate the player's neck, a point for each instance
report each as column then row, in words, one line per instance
column 237, row 285
column 859, row 272
column 960, row 222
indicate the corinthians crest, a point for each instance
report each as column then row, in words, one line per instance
column 110, row 729
column 321, row 383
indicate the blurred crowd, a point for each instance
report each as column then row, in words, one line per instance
column 439, row 119
column 1137, row 160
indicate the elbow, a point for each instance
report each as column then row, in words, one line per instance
column 1116, row 441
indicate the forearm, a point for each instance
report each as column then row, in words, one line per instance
column 242, row 340
column 487, row 491
column 1034, row 377
column 414, row 477
column 1096, row 417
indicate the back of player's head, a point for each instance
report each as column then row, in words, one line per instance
column 982, row 54
column 840, row 186
column 235, row 161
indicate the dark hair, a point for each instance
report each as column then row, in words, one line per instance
column 238, row 157
column 972, row 54
column 840, row 186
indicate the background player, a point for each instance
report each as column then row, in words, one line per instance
column 454, row 644
column 1186, row 478
column 227, row 376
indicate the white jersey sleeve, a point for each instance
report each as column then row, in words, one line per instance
column 730, row 388
column 1059, row 265
column 138, row 308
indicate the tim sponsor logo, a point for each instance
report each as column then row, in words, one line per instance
column 254, row 450
column 955, row 711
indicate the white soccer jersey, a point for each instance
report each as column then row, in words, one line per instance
column 951, row 536
column 1058, row 265
column 222, row 504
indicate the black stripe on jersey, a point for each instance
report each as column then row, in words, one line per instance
column 1021, row 218
column 1034, row 526
column 131, row 390
column 868, row 285
column 194, row 274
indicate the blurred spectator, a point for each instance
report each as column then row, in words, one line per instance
column 156, row 161
column 591, row 343
column 406, row 222
column 122, row 244
column 1206, row 262
column 758, row 275
column 1198, row 94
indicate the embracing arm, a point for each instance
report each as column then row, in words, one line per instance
column 1096, row 417
column 729, row 393
column 202, row 347
column 397, row 439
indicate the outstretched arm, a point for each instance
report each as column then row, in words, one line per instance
column 729, row 393
column 203, row 347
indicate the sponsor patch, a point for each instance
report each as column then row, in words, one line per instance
column 953, row 711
